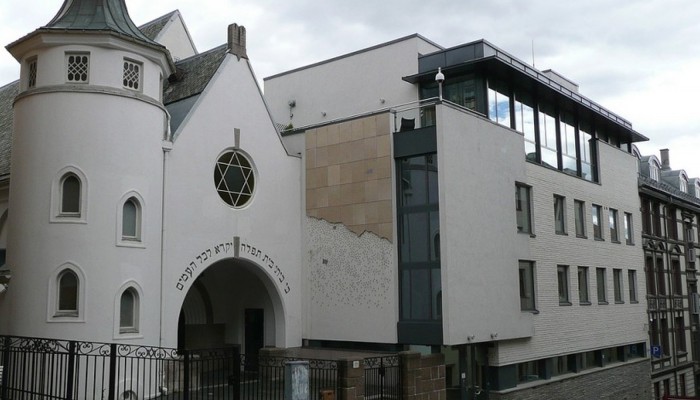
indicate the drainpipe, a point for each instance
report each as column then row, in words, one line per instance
column 667, row 257
column 167, row 146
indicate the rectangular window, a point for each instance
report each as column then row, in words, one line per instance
column 596, row 215
column 559, row 214
column 77, row 68
column 31, row 81
column 522, row 208
column 525, row 123
column 680, row 335
column 563, row 283
column 612, row 219
column 499, row 103
column 567, row 139
column 600, row 282
column 656, row 218
column 677, row 278
column 672, row 223
column 131, row 78
column 664, row 337
column 660, row 276
column 628, row 229
column 583, row 297
column 527, row 285
column 580, row 211
column 632, row 282
column 617, row 282
column 548, row 136
column 646, row 216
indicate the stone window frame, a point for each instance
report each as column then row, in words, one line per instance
column 54, row 314
column 127, row 240
column 57, row 186
column 133, row 331
column 132, row 75
column 73, row 67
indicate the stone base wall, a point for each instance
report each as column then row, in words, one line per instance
column 625, row 382
column 423, row 377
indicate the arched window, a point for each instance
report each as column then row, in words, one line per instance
column 70, row 195
column 68, row 285
column 129, row 311
column 131, row 219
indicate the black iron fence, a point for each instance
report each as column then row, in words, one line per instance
column 382, row 378
column 34, row 368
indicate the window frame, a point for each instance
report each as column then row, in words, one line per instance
column 597, row 213
column 618, row 287
column 601, row 285
column 563, row 285
column 632, row 283
column 139, row 75
column 580, row 218
column 629, row 231
column 133, row 324
column 524, row 209
column 528, row 300
column 560, row 215
column 123, row 240
column 614, row 225
column 54, row 311
column 67, row 71
column 584, row 296
column 132, row 331
column 57, row 214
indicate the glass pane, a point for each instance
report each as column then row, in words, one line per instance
column 413, row 181
column 126, row 310
column 499, row 104
column 435, row 236
column 70, row 202
column 522, row 207
column 415, row 229
column 432, row 164
column 129, row 219
column 420, row 294
column 68, row 292
column 436, row 293
column 406, row 294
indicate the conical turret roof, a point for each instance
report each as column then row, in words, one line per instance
column 89, row 15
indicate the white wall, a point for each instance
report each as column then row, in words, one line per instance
column 479, row 164
column 197, row 220
column 331, row 87
column 176, row 38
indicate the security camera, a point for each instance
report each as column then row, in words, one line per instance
column 439, row 77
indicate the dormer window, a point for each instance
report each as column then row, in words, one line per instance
column 77, row 68
column 697, row 189
column 132, row 75
column 31, row 79
column 683, row 183
column 654, row 170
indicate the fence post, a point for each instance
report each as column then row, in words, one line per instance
column 186, row 383
column 5, row 366
column 351, row 377
column 112, row 371
column 71, row 370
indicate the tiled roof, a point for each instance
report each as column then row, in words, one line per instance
column 153, row 28
column 7, row 96
column 193, row 75
column 645, row 181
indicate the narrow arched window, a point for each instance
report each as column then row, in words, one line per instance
column 131, row 219
column 67, row 293
column 70, row 195
column 128, row 311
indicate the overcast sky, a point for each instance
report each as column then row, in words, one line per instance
column 640, row 59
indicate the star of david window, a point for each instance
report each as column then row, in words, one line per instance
column 234, row 178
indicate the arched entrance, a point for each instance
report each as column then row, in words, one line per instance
column 231, row 303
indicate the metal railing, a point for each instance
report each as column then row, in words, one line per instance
column 382, row 378
column 36, row 368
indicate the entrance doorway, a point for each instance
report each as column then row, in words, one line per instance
column 254, row 334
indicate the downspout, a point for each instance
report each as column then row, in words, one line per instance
column 167, row 146
column 671, row 286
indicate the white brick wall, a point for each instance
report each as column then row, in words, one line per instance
column 576, row 328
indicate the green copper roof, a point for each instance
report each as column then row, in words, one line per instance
column 98, row 15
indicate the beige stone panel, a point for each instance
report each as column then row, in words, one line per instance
column 384, row 167
column 371, row 190
column 344, row 152
column 333, row 154
column 384, row 146
column 346, row 215
column 357, row 192
column 323, row 213
column 372, row 212
column 333, row 134
column 357, row 150
column 310, row 199
column 345, row 132
column 371, row 169
column 333, row 175
column 383, row 123
column 345, row 173
column 321, row 177
column 357, row 229
column 386, row 231
column 322, row 197
column 321, row 156
column 358, row 214
column 310, row 158
column 322, row 137
column 369, row 126
column 385, row 212
column 334, row 198
column 356, row 128
column 359, row 171
column 311, row 178
column 333, row 214
column 384, row 189
column 311, row 139
column 312, row 213
column 346, row 194
column 370, row 145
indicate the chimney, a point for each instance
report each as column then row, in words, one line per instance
column 665, row 161
column 236, row 41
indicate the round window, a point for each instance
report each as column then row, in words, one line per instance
column 234, row 178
